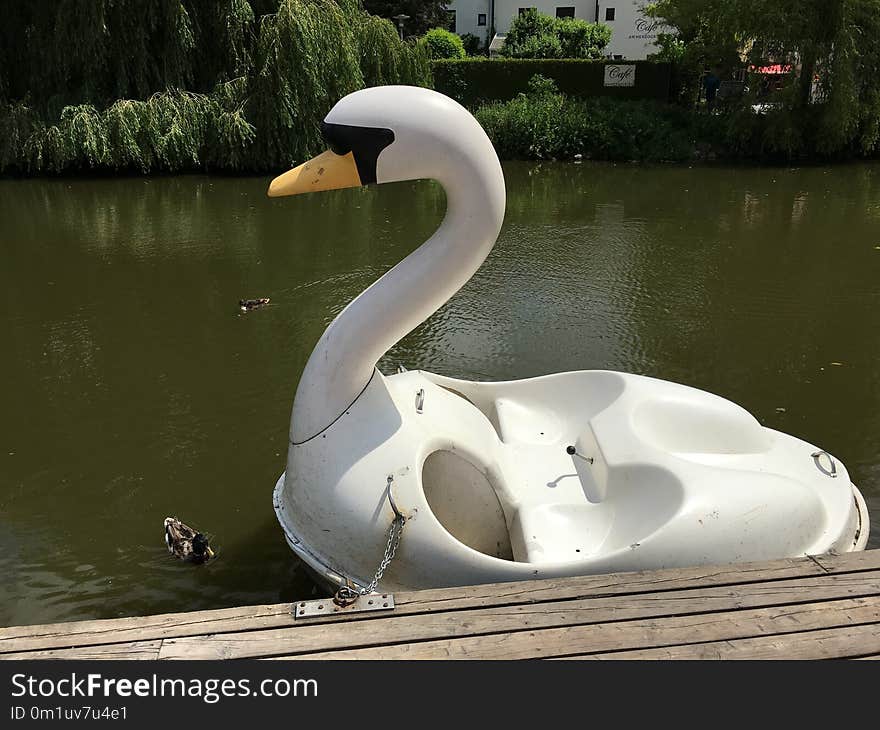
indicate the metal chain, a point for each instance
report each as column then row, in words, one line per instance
column 394, row 534
column 349, row 592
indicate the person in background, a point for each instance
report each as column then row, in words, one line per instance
column 711, row 83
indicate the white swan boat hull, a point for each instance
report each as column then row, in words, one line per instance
column 664, row 475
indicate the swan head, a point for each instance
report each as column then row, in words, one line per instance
column 390, row 134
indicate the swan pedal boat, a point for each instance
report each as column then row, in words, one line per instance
column 567, row 474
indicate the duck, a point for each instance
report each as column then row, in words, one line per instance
column 186, row 543
column 470, row 482
column 248, row 304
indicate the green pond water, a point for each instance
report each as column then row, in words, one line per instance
column 133, row 387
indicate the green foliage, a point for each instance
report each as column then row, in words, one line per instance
column 546, row 45
column 307, row 60
column 828, row 105
column 423, row 14
column 671, row 48
column 384, row 60
column 230, row 143
column 440, row 43
column 528, row 27
column 473, row 81
column 170, row 131
column 547, row 125
column 541, row 86
column 472, row 44
column 173, row 85
column 17, row 122
column 581, row 39
column 129, row 130
column 535, row 35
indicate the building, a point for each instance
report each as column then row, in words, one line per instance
column 632, row 34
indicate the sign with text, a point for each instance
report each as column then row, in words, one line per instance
column 620, row 75
column 645, row 29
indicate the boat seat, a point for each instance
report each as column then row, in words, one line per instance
column 571, row 506
column 555, row 499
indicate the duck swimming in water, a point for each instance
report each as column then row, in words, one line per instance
column 185, row 543
column 248, row 304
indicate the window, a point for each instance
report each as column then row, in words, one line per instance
column 609, row 13
column 481, row 18
column 564, row 12
column 523, row 11
column 450, row 14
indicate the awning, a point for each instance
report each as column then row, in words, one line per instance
column 771, row 70
column 497, row 42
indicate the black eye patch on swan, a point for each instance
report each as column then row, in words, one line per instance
column 365, row 143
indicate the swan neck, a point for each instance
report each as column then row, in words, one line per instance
column 345, row 357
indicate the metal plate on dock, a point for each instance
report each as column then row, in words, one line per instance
column 327, row 607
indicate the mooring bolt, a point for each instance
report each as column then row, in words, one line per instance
column 572, row 451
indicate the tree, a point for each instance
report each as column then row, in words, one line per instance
column 423, row 14
column 535, row 35
column 440, row 43
column 183, row 84
column 830, row 100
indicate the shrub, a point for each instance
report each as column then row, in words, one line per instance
column 544, row 124
column 472, row 44
column 535, row 35
column 540, row 85
column 580, row 39
column 440, row 43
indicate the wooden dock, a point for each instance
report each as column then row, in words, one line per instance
column 808, row 608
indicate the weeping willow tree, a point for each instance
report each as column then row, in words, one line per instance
column 175, row 85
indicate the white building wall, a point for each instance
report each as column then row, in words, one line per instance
column 507, row 10
column 633, row 35
column 467, row 14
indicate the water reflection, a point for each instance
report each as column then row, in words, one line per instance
column 135, row 389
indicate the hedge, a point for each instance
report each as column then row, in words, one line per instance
column 473, row 81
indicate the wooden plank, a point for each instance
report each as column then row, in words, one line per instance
column 412, row 603
column 848, row 562
column 623, row 635
column 555, row 589
column 142, row 628
column 613, row 584
column 127, row 650
column 392, row 629
column 837, row 643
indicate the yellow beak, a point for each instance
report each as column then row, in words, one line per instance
column 327, row 171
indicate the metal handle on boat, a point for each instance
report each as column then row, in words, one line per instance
column 833, row 472
column 397, row 513
column 572, row 451
column 420, row 400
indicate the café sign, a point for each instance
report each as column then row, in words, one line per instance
column 645, row 29
column 620, row 75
